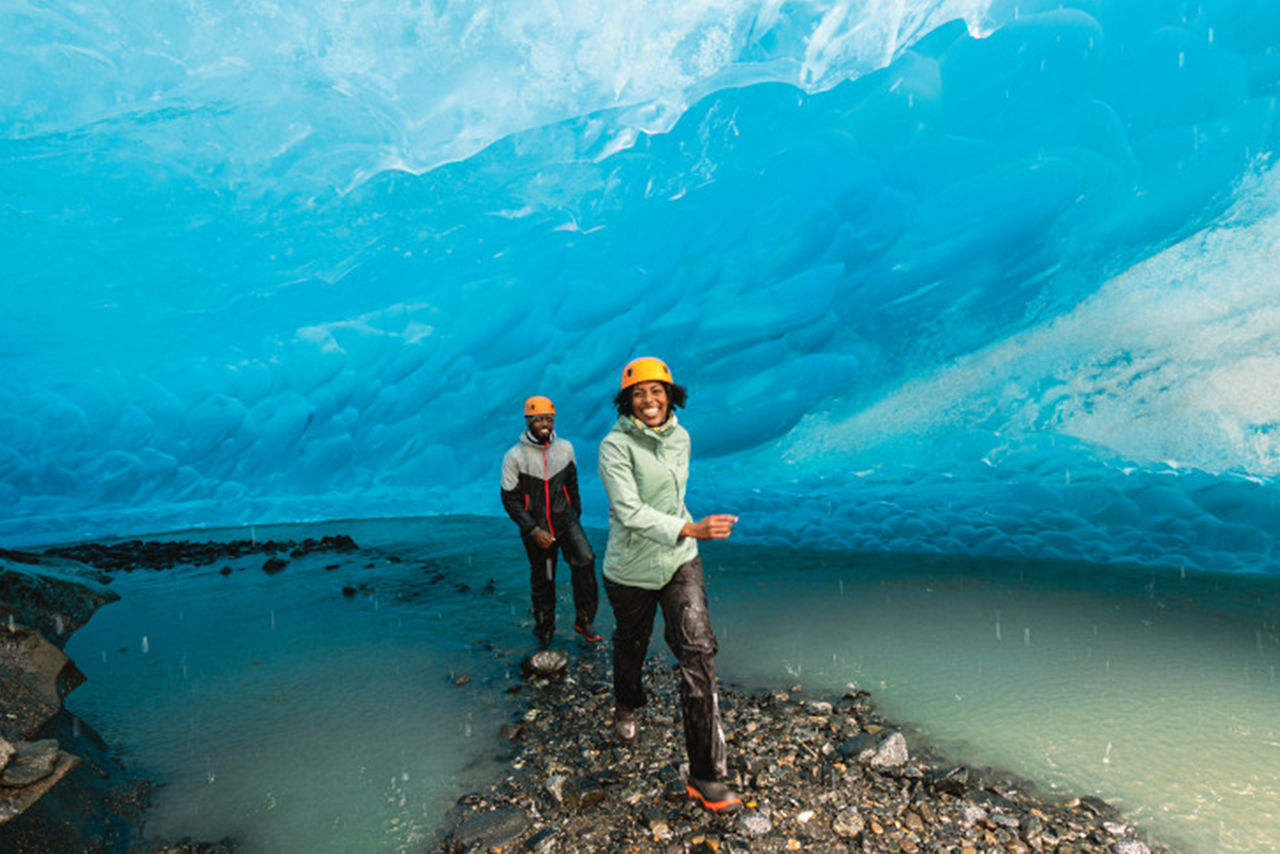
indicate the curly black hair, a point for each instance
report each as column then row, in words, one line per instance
column 677, row 395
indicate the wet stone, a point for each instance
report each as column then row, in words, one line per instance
column 545, row 663
column 544, row 841
column 30, row 763
column 848, row 823
column 490, row 830
column 892, row 752
column 753, row 824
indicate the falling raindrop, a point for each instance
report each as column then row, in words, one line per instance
column 998, row 635
column 58, row 625
column 1026, row 637
column 12, row 627
column 1182, row 59
column 146, row 645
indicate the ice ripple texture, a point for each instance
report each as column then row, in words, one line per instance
column 985, row 278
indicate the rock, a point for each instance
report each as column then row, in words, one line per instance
column 53, row 596
column 17, row 799
column 753, row 824
column 31, row 762
column 546, row 663
column 34, row 677
column 6, row 751
column 274, row 564
column 1130, row 846
column 972, row 813
column 490, row 830
column 544, row 841
column 892, row 752
column 848, row 823
column 583, row 793
column 953, row 782
column 1099, row 807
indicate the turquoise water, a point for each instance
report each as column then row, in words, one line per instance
column 1155, row 691
column 282, row 713
column 276, row 710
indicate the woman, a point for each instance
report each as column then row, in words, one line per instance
column 651, row 561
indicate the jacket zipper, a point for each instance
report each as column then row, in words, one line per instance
column 546, row 489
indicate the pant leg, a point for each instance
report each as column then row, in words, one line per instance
column 582, row 564
column 633, row 611
column 688, row 633
column 542, row 588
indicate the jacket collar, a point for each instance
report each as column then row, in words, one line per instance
column 631, row 424
column 528, row 439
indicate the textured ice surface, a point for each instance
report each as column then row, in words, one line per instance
column 993, row 278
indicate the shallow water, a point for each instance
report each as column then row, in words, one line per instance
column 282, row 713
column 1156, row 692
column 293, row 718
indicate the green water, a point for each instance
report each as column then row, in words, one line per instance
column 1155, row 691
column 279, row 712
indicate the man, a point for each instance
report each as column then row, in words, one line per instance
column 540, row 494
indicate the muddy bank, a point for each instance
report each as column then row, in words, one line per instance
column 816, row 774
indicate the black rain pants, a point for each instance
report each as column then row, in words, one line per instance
column 688, row 633
column 542, row 576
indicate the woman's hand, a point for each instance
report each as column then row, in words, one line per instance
column 714, row 527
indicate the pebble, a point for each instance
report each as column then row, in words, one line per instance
column 754, row 824
column 848, row 823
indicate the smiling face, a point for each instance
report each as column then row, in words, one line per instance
column 649, row 403
column 540, row 426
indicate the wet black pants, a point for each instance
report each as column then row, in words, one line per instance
column 688, row 633
column 542, row 576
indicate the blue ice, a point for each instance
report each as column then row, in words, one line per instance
column 969, row 277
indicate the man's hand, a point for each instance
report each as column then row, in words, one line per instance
column 714, row 527
column 542, row 538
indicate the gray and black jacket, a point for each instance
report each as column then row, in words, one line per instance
column 540, row 484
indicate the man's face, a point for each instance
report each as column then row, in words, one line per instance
column 540, row 426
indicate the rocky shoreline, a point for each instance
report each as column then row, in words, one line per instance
column 823, row 774
column 816, row 774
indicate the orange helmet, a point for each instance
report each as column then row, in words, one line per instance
column 538, row 405
column 646, row 369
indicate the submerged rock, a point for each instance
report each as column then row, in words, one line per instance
column 490, row 830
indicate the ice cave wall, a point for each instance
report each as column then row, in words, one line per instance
column 988, row 278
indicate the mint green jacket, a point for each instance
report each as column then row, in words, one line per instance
column 645, row 471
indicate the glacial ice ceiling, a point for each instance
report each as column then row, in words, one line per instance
column 974, row 277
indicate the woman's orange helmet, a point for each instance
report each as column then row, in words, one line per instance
column 646, row 369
